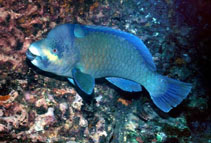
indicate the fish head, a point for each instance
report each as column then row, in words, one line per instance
column 53, row 54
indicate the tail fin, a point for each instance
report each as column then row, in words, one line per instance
column 175, row 92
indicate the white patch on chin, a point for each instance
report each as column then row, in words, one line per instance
column 34, row 50
column 35, row 62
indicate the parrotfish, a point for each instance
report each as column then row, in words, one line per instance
column 82, row 53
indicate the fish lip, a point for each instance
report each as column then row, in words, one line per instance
column 32, row 53
column 30, row 56
column 34, row 50
column 34, row 59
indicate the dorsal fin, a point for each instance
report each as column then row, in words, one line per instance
column 138, row 44
column 78, row 31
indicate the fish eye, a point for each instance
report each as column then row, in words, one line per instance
column 54, row 50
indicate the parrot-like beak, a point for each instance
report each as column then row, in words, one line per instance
column 33, row 54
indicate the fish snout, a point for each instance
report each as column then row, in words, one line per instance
column 34, row 54
column 29, row 55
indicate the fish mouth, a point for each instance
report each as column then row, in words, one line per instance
column 30, row 56
column 32, row 53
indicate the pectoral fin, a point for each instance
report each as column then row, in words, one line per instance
column 84, row 81
column 124, row 84
column 71, row 81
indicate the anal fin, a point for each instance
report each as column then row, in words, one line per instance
column 124, row 84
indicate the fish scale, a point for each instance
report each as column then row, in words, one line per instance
column 111, row 57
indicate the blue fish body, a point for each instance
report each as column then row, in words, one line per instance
column 82, row 53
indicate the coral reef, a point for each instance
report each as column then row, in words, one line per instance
column 40, row 107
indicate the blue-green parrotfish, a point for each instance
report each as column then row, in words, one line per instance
column 82, row 53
